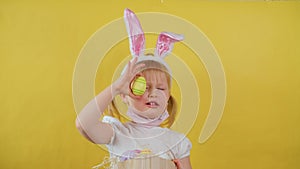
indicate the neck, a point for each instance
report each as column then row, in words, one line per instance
column 137, row 119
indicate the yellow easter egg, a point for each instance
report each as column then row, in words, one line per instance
column 138, row 87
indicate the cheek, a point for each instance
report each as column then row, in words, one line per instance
column 167, row 94
column 139, row 100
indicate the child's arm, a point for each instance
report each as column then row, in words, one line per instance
column 185, row 163
column 87, row 122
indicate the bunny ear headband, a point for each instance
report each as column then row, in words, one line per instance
column 164, row 44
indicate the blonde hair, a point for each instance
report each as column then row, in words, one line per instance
column 152, row 67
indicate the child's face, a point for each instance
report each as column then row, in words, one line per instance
column 154, row 101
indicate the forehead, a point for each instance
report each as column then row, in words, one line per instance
column 156, row 76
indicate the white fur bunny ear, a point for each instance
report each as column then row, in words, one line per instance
column 165, row 43
column 135, row 33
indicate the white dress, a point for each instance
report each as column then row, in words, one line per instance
column 161, row 142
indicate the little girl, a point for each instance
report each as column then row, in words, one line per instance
column 142, row 142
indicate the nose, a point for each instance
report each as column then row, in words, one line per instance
column 152, row 93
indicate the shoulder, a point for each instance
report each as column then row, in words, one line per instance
column 178, row 139
column 182, row 145
column 111, row 120
column 176, row 134
column 116, row 124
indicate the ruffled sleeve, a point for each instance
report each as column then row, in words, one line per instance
column 116, row 126
column 184, row 148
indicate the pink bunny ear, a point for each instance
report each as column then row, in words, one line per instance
column 135, row 33
column 165, row 43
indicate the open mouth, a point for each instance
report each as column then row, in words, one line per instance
column 152, row 104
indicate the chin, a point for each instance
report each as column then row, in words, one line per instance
column 150, row 113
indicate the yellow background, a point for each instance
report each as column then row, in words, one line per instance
column 258, row 43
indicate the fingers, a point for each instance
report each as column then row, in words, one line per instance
column 132, row 62
column 133, row 67
column 138, row 67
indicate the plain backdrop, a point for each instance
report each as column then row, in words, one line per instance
column 258, row 44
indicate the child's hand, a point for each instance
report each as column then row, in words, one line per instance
column 122, row 85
